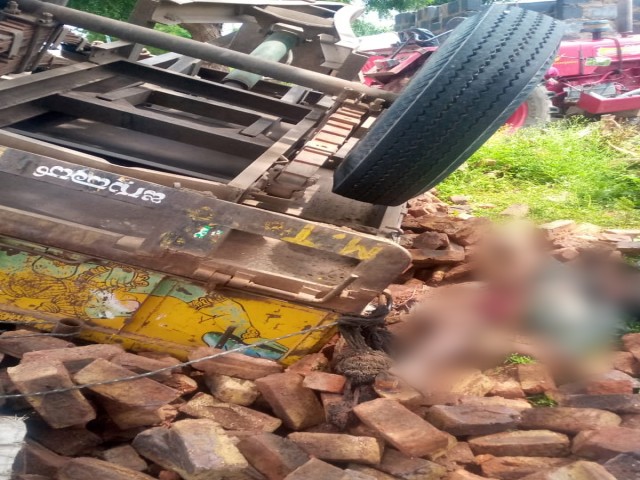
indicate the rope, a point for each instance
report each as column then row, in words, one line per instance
column 367, row 332
column 368, row 342
column 164, row 369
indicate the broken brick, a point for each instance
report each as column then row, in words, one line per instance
column 63, row 441
column 19, row 342
column 140, row 364
column 627, row 363
column 38, row 460
column 231, row 390
column 125, row 456
column 532, row 443
column 355, row 475
column 556, row 227
column 324, row 382
column 181, row 383
column 410, row 468
column 535, row 378
column 229, row 416
column 316, row 469
column 470, row 383
column 464, row 475
column 141, row 392
column 314, row 362
column 387, row 386
column 431, row 241
column 629, row 248
column 515, row 468
column 506, row 383
column 609, row 387
column 297, row 406
column 422, row 257
column 339, row 447
column 613, row 403
column 515, row 404
column 234, row 364
column 568, row 420
column 273, row 456
column 59, row 410
column 464, row 232
column 372, row 472
column 473, row 420
column 631, row 342
column 84, row 468
column 195, row 449
column 74, row 359
column 580, row 470
column 127, row 417
column 630, row 421
column 624, row 466
column 401, row 427
column 458, row 456
column 606, row 443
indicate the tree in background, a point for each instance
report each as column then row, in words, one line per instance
column 362, row 28
column 386, row 7
column 121, row 10
column 116, row 9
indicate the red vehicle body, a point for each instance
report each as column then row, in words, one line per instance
column 591, row 76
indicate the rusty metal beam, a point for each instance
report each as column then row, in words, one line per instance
column 204, row 51
column 147, row 121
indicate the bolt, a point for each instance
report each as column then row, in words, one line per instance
column 12, row 8
column 46, row 18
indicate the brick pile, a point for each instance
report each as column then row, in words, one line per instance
column 442, row 238
column 237, row 417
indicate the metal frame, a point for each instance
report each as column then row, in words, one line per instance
column 169, row 231
column 230, row 123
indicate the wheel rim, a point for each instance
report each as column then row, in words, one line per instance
column 519, row 117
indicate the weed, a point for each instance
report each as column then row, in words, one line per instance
column 517, row 359
column 568, row 169
column 632, row 327
column 542, row 400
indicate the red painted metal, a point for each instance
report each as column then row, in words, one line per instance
column 519, row 117
column 582, row 72
column 598, row 105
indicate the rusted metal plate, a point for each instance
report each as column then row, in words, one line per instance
column 190, row 234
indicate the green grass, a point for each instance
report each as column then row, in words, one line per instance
column 542, row 400
column 569, row 169
column 517, row 359
column 631, row 327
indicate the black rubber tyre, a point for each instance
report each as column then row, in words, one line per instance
column 462, row 95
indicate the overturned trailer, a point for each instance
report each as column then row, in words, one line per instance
column 166, row 207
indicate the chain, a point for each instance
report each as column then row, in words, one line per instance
column 164, row 369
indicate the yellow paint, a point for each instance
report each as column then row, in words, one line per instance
column 302, row 237
column 144, row 310
column 362, row 252
column 340, row 236
column 204, row 214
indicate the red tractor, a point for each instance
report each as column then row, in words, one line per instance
column 592, row 77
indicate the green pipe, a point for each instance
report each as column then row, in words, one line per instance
column 275, row 47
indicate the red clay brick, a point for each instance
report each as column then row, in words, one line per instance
column 324, row 382
column 401, row 427
column 59, row 410
column 297, row 406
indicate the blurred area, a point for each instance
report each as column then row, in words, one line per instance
column 516, row 296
